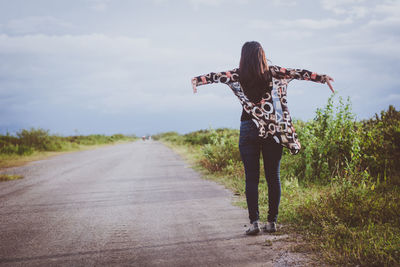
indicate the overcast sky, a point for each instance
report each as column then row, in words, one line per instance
column 119, row 66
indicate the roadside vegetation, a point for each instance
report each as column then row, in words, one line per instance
column 341, row 192
column 9, row 177
column 34, row 144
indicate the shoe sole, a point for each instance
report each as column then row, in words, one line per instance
column 269, row 231
column 254, row 232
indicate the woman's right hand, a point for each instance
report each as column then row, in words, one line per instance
column 328, row 82
column 194, row 82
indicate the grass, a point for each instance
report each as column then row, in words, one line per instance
column 341, row 192
column 9, row 177
column 37, row 144
column 348, row 224
column 15, row 160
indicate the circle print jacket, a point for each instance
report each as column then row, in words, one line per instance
column 271, row 115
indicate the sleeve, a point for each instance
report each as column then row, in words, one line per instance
column 218, row 77
column 299, row 74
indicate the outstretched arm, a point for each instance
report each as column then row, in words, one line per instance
column 300, row 74
column 328, row 82
column 215, row 77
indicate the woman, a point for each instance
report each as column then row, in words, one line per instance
column 266, row 124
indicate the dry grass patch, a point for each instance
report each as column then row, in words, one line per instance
column 9, row 177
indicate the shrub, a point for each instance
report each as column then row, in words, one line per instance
column 200, row 137
column 381, row 145
column 359, row 222
column 342, row 189
column 27, row 141
column 329, row 143
column 173, row 137
column 222, row 150
column 39, row 139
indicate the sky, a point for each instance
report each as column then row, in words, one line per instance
column 119, row 66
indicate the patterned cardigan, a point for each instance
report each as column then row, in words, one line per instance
column 271, row 115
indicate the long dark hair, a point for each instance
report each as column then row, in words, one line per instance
column 253, row 70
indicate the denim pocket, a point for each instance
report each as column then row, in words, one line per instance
column 248, row 133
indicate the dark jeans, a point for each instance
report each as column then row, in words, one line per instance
column 250, row 146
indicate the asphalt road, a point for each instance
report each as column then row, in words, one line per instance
column 136, row 204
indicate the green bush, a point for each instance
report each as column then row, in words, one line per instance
column 27, row 142
column 342, row 189
column 201, row 137
column 173, row 137
column 381, row 145
column 359, row 222
column 38, row 139
column 329, row 143
column 221, row 150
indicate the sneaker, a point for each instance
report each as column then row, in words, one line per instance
column 254, row 229
column 269, row 227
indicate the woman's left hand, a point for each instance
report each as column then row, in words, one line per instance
column 328, row 81
column 194, row 82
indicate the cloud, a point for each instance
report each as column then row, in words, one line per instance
column 210, row 3
column 392, row 98
column 388, row 8
column 96, row 72
column 286, row 3
column 89, row 45
column 347, row 7
column 302, row 24
column 375, row 38
column 99, row 5
column 36, row 25
column 75, row 67
column 116, row 60
column 318, row 24
column 358, row 9
column 196, row 4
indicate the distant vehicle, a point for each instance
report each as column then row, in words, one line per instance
column 146, row 137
